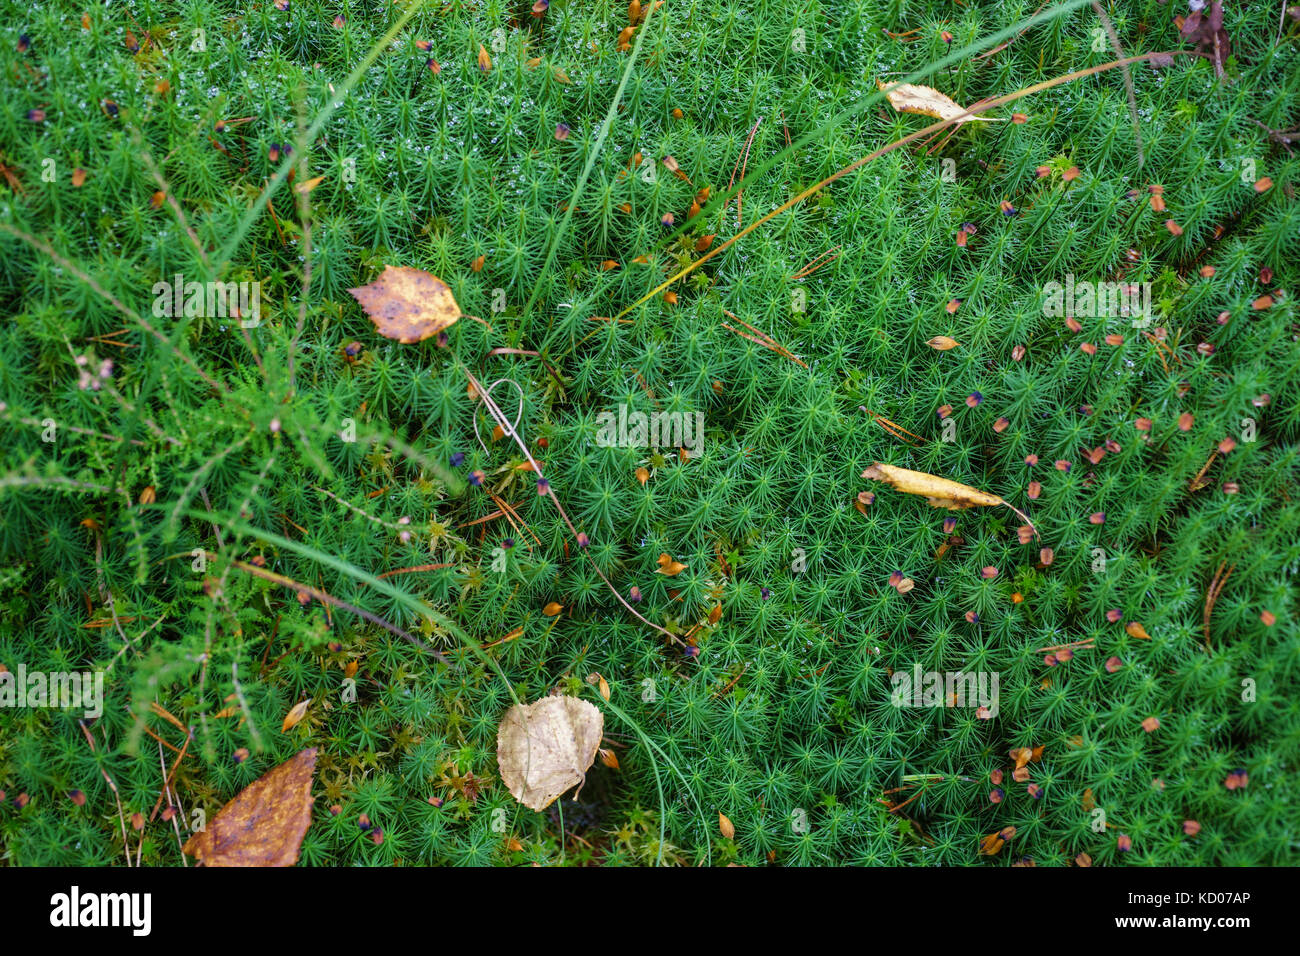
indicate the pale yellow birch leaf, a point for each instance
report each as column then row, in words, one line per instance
column 911, row 98
column 546, row 747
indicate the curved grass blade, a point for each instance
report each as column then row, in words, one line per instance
column 586, row 173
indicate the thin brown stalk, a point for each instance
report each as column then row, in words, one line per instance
column 875, row 154
column 112, row 786
column 509, row 429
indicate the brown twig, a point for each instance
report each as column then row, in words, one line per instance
column 112, row 786
column 509, row 429
column 1212, row 596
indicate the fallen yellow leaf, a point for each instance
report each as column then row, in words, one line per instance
column 295, row 715
column 670, row 568
column 546, row 747
column 911, row 98
column 408, row 304
column 940, row 492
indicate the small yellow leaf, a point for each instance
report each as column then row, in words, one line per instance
column 941, row 492
column 608, row 758
column 942, row 343
column 1135, row 629
column 727, row 828
column 484, row 61
column 553, row 609
column 670, row 568
column 603, row 687
column 407, row 304
column 642, row 475
column 304, row 188
column 991, row 845
column 911, row 98
column 295, row 715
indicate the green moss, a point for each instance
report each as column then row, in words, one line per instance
column 782, row 717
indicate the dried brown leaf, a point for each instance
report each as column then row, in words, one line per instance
column 265, row 823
